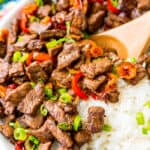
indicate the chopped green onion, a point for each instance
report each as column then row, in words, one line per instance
column 86, row 35
column 32, row 84
column 34, row 19
column 31, row 143
column 63, row 125
column 144, row 131
column 77, row 123
column 16, row 56
column 24, row 57
column 62, row 90
column 140, row 118
column 48, row 92
column 20, row 39
column 53, row 98
column 114, row 70
column 14, row 124
column 39, row 2
column 148, row 125
column 115, row 2
column 53, row 6
column 65, row 98
column 147, row 104
column 107, row 128
column 20, row 134
column 132, row 60
column 43, row 110
column 68, row 27
column 54, row 43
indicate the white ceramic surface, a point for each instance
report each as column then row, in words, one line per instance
column 5, row 23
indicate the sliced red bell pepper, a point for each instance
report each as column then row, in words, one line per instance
column 111, row 7
column 12, row 86
column 75, row 86
column 29, row 59
column 94, row 1
column 23, row 23
column 41, row 57
column 79, row 2
column 19, row 146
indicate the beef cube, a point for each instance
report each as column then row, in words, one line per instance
column 148, row 70
column 35, row 72
column 95, row 119
column 113, row 96
column 16, row 69
column 55, row 111
column 32, row 100
column 19, row 93
column 44, row 11
column 59, row 17
column 95, row 21
column 20, row 79
column 143, row 4
column 47, row 66
column 38, row 27
column 2, row 49
column 31, row 121
column 53, row 33
column 62, row 137
column 43, row 134
column 69, row 54
column 35, row 45
column 62, row 77
column 45, row 146
column 62, row 5
column 25, row 40
column 95, row 68
column 93, row 84
column 77, row 19
column 6, row 130
column 82, row 137
column 4, row 68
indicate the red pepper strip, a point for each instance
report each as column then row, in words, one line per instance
column 42, row 57
column 61, row 26
column 19, row 146
column 77, row 88
column 94, row 1
column 29, row 59
column 12, row 86
column 23, row 23
column 112, row 8
column 79, row 2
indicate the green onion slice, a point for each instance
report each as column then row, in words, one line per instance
column 32, row 84
column 68, row 27
column 43, row 110
column 77, row 123
column 34, row 19
column 24, row 57
column 63, row 126
column 107, row 128
column 20, row 39
column 140, row 118
column 48, row 92
column 147, row 104
column 39, row 2
column 65, row 98
column 115, row 2
column 20, row 134
column 16, row 56
column 62, row 90
column 144, row 131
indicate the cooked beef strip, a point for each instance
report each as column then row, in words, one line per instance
column 4, row 68
column 55, row 111
column 95, row 21
column 95, row 68
column 8, row 119
column 95, row 7
column 19, row 93
column 77, row 19
column 33, row 99
column 143, row 4
column 34, row 122
column 93, row 84
column 38, row 27
column 47, row 66
column 82, row 137
column 55, row 50
column 62, row 4
column 16, row 69
column 148, row 70
column 20, row 79
column 95, row 119
column 43, row 133
column 113, row 96
column 6, row 130
column 25, row 40
column 35, row 72
column 69, row 54
column 44, row 11
column 2, row 49
column 140, row 74
column 59, row 17
column 35, row 45
column 45, row 146
column 13, row 32
column 61, row 136
column 53, row 33
column 62, row 77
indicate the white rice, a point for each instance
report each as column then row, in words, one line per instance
column 125, row 134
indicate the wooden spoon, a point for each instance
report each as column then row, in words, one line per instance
column 129, row 40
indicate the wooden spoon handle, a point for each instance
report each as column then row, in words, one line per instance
column 130, row 40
